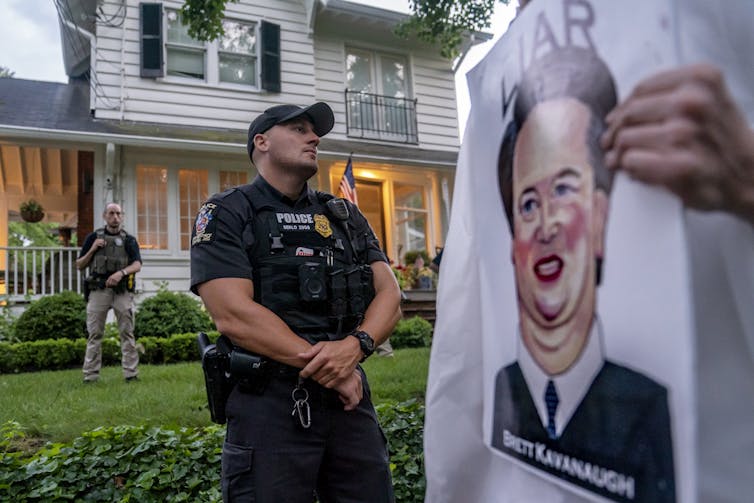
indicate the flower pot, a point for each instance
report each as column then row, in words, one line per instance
column 424, row 283
column 32, row 216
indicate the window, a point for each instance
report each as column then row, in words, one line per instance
column 169, row 194
column 230, row 59
column 192, row 192
column 151, row 207
column 377, row 96
column 411, row 222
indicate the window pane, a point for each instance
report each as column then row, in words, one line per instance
column 151, row 207
column 178, row 33
column 183, row 62
column 238, row 69
column 192, row 192
column 410, row 218
column 393, row 76
column 359, row 72
column 230, row 179
column 239, row 38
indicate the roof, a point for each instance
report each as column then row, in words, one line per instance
column 55, row 111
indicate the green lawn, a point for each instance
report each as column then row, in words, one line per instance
column 59, row 407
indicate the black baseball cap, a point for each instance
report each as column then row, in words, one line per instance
column 320, row 114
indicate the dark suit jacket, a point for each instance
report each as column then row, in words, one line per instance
column 622, row 424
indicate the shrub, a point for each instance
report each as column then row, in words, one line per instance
column 59, row 316
column 169, row 313
column 414, row 332
column 410, row 256
column 136, row 463
column 403, row 424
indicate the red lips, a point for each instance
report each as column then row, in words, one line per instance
column 548, row 268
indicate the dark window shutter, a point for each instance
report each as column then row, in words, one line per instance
column 150, row 33
column 270, row 34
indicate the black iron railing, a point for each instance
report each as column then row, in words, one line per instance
column 381, row 117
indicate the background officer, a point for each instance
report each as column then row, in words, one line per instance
column 299, row 278
column 113, row 258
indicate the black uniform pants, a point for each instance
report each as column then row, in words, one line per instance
column 269, row 458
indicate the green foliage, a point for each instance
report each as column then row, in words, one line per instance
column 59, row 316
column 403, row 424
column 6, row 73
column 204, row 18
column 54, row 354
column 444, row 22
column 410, row 256
column 7, row 321
column 122, row 463
column 168, row 313
column 151, row 464
column 414, row 332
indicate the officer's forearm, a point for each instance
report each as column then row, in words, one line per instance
column 84, row 260
column 381, row 317
column 384, row 311
column 250, row 325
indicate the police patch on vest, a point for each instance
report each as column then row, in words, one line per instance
column 322, row 226
column 204, row 225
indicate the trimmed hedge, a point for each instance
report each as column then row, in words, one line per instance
column 59, row 316
column 133, row 463
column 63, row 353
column 414, row 332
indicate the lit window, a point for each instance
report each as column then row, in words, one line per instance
column 230, row 179
column 151, row 207
column 410, row 217
column 192, row 189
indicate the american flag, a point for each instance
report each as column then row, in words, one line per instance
column 348, row 184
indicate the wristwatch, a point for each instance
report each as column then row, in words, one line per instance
column 365, row 342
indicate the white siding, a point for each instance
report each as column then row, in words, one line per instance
column 180, row 101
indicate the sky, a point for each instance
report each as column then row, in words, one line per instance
column 30, row 42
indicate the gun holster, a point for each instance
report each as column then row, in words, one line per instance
column 216, row 367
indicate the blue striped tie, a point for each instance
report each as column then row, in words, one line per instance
column 551, row 400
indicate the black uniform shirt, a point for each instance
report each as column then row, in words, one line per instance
column 223, row 232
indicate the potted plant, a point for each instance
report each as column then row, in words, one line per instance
column 32, row 211
column 425, row 278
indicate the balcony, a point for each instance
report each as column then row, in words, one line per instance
column 32, row 272
column 376, row 117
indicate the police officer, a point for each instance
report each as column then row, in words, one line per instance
column 297, row 277
column 113, row 258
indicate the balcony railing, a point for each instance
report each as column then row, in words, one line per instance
column 379, row 117
column 36, row 271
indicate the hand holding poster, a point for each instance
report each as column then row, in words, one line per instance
column 579, row 316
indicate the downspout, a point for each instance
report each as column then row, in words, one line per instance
column 92, row 59
column 108, row 193
column 123, row 63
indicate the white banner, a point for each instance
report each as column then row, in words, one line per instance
column 564, row 361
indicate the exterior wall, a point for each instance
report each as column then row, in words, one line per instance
column 172, row 100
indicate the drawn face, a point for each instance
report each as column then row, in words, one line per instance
column 558, row 221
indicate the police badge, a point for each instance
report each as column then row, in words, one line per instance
column 322, row 226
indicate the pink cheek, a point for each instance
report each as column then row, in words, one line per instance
column 575, row 227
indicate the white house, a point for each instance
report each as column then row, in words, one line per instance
column 157, row 121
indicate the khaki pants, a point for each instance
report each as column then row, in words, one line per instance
column 100, row 302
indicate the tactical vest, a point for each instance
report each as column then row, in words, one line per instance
column 112, row 257
column 309, row 267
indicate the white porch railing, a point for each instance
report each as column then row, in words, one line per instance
column 35, row 271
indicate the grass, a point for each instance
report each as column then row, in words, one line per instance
column 57, row 406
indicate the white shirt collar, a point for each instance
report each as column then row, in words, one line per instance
column 571, row 385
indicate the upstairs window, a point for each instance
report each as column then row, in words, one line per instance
column 377, row 99
column 230, row 59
